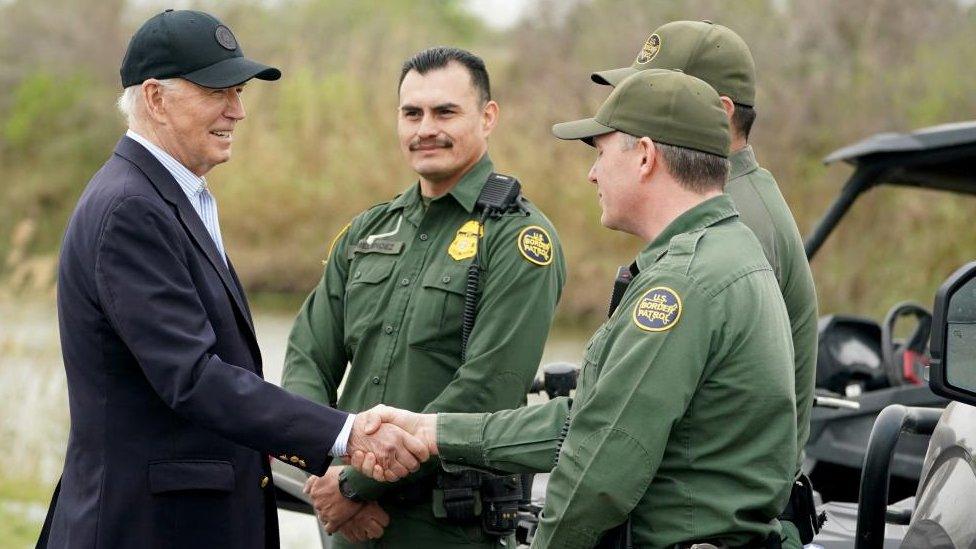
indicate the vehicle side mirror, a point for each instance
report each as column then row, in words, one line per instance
column 952, row 371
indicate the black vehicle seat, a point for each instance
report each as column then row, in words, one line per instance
column 849, row 358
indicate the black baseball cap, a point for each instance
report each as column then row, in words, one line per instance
column 191, row 45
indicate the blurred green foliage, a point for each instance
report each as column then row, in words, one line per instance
column 320, row 145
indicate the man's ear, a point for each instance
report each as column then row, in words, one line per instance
column 649, row 160
column 489, row 117
column 728, row 105
column 152, row 96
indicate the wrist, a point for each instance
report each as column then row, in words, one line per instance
column 427, row 432
column 348, row 491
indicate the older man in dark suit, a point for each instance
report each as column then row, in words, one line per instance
column 172, row 424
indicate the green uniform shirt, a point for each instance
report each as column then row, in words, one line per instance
column 389, row 305
column 762, row 208
column 684, row 415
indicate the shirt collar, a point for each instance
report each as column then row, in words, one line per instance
column 742, row 162
column 706, row 214
column 191, row 183
column 465, row 191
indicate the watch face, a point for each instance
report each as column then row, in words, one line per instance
column 347, row 491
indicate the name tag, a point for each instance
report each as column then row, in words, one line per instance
column 391, row 247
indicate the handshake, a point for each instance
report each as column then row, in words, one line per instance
column 385, row 444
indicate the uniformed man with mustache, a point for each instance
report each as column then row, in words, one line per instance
column 387, row 314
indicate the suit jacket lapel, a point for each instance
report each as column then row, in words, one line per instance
column 170, row 190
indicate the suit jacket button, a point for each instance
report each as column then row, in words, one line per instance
column 294, row 459
column 264, row 482
column 301, row 463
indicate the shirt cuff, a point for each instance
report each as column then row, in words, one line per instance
column 460, row 438
column 339, row 446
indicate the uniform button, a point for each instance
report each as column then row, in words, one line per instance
column 423, row 236
column 293, row 459
column 358, row 274
column 301, row 463
column 446, row 279
column 376, row 380
column 283, row 457
column 388, row 329
column 264, row 482
column 405, row 281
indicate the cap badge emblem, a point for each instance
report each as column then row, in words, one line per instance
column 650, row 49
column 225, row 38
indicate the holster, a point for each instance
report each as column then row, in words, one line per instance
column 472, row 496
column 801, row 511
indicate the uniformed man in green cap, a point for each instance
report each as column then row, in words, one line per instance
column 720, row 57
column 387, row 315
column 684, row 413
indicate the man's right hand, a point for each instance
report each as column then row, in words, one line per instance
column 389, row 452
column 421, row 427
column 367, row 524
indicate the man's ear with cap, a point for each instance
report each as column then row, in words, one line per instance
column 728, row 105
column 156, row 105
column 649, row 160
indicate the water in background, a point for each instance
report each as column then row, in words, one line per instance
column 34, row 406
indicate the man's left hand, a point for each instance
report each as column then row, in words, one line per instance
column 331, row 507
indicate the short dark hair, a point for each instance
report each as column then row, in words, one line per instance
column 438, row 57
column 742, row 119
column 694, row 170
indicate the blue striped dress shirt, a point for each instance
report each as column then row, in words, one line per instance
column 195, row 188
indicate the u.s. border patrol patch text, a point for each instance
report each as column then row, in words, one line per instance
column 535, row 245
column 657, row 310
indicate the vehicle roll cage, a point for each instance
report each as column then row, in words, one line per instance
column 939, row 157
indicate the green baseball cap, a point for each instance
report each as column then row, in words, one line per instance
column 702, row 49
column 668, row 106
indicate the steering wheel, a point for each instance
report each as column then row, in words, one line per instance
column 900, row 357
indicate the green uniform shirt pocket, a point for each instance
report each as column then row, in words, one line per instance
column 365, row 294
column 439, row 307
column 590, row 370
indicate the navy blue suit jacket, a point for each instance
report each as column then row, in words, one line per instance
column 171, row 421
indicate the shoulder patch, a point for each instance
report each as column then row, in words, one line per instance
column 535, row 245
column 465, row 243
column 657, row 310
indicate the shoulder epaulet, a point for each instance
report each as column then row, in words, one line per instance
column 681, row 250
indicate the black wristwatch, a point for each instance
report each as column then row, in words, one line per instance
column 347, row 491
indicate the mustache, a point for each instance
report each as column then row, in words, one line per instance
column 439, row 142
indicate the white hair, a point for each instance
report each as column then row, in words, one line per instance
column 129, row 99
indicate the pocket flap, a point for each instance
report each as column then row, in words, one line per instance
column 450, row 280
column 198, row 474
column 371, row 271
